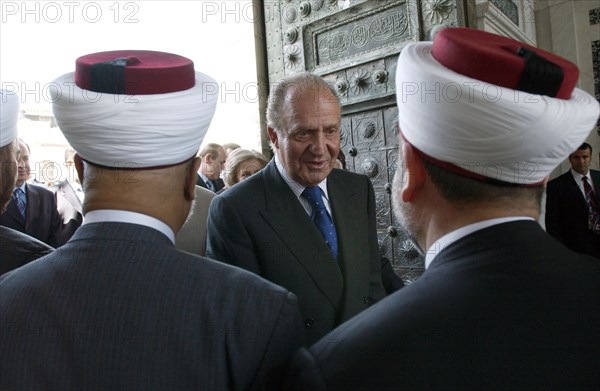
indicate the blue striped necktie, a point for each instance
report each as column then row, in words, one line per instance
column 19, row 196
column 321, row 218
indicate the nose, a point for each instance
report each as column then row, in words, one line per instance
column 318, row 145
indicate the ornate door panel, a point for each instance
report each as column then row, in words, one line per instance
column 354, row 45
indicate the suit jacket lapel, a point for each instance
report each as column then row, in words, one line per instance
column 33, row 205
column 596, row 179
column 293, row 226
column 13, row 212
column 200, row 182
column 574, row 188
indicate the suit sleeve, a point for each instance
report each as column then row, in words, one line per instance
column 227, row 239
column 287, row 336
column 304, row 373
column 376, row 291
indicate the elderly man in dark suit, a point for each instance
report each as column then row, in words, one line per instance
column 16, row 248
column 32, row 209
column 268, row 225
column 502, row 305
column 118, row 306
column 573, row 206
column 213, row 158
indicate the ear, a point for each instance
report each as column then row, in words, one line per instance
column 273, row 137
column 189, row 189
column 414, row 172
column 78, row 166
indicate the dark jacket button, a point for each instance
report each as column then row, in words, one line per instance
column 309, row 322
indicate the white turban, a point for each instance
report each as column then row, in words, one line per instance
column 487, row 130
column 134, row 131
column 9, row 115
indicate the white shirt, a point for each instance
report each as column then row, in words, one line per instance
column 455, row 235
column 123, row 216
column 577, row 176
column 22, row 187
column 297, row 189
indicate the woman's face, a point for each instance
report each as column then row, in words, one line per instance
column 247, row 168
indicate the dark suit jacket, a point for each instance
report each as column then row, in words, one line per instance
column 17, row 249
column 118, row 307
column 567, row 214
column 219, row 184
column 69, row 208
column 42, row 220
column 507, row 307
column 260, row 225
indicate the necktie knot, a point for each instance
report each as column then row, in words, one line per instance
column 20, row 199
column 313, row 196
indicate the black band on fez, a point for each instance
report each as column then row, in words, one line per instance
column 540, row 76
column 133, row 166
column 109, row 76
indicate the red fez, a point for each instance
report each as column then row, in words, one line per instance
column 134, row 72
column 504, row 62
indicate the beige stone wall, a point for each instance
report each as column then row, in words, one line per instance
column 563, row 27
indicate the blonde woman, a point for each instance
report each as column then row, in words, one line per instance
column 242, row 163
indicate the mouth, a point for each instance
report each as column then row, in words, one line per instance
column 318, row 164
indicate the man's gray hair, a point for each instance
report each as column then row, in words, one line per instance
column 304, row 81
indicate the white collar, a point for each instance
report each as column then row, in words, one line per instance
column 23, row 187
column 204, row 177
column 296, row 187
column 123, row 216
column 455, row 235
column 577, row 176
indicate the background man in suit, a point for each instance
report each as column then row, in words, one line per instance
column 118, row 306
column 32, row 209
column 571, row 217
column 263, row 224
column 501, row 305
column 16, row 248
column 213, row 161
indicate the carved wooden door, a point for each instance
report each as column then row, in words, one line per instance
column 354, row 45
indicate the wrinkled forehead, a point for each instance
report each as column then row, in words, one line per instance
column 310, row 92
